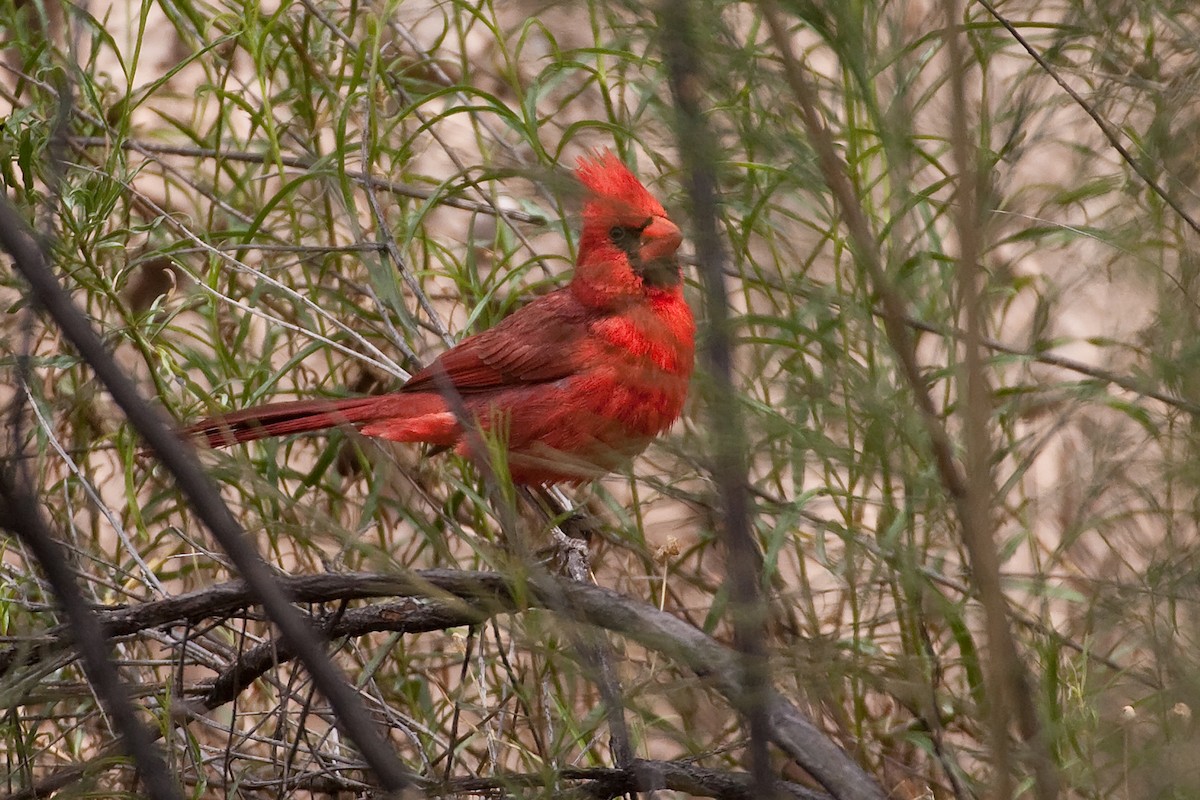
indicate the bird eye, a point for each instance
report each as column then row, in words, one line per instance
column 617, row 234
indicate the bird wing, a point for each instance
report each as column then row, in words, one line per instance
column 536, row 344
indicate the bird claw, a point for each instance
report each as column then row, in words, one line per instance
column 570, row 553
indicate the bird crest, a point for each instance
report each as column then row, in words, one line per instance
column 614, row 190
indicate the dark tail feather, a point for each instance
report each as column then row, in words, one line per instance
column 281, row 419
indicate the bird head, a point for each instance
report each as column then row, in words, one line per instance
column 628, row 246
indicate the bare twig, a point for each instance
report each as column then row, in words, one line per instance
column 700, row 157
column 1136, row 164
column 1010, row 693
column 461, row 598
column 20, row 513
column 308, row 163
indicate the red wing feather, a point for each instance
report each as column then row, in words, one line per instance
column 536, row 344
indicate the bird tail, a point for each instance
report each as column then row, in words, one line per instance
column 282, row 419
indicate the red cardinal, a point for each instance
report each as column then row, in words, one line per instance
column 577, row 382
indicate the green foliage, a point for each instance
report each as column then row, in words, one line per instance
column 215, row 222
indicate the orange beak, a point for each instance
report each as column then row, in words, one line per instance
column 660, row 239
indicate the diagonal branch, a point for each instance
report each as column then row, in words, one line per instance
column 1136, row 164
column 181, row 461
column 21, row 513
